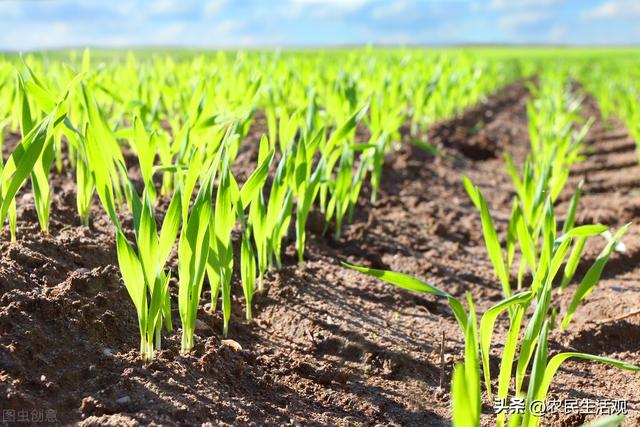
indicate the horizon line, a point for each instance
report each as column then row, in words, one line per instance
column 337, row 46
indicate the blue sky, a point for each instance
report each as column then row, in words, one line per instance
column 34, row 24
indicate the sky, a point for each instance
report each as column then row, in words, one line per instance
column 41, row 24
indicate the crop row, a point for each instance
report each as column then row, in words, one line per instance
column 533, row 243
column 185, row 121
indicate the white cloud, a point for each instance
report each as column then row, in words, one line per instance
column 518, row 20
column 164, row 7
column 223, row 33
column 11, row 9
column 339, row 4
column 393, row 9
column 613, row 9
column 515, row 18
column 114, row 33
column 324, row 8
column 214, row 7
column 504, row 5
column 230, row 26
column 170, row 32
column 558, row 34
column 57, row 34
column 126, row 8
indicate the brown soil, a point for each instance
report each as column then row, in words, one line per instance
column 328, row 346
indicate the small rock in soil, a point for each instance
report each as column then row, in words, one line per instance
column 123, row 400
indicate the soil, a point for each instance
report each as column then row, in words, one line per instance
column 328, row 346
